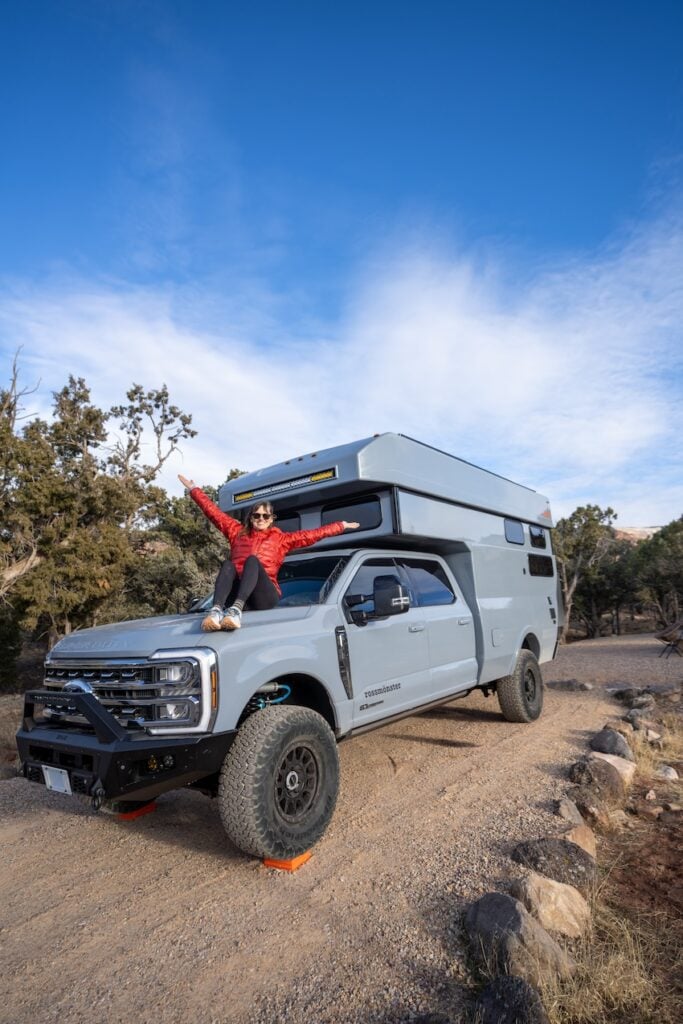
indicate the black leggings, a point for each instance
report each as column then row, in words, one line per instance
column 253, row 588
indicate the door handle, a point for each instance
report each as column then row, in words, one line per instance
column 464, row 622
column 416, row 627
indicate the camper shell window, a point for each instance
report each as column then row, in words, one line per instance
column 366, row 511
column 540, row 565
column 289, row 522
column 537, row 536
column 514, row 531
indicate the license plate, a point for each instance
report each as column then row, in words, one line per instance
column 56, row 779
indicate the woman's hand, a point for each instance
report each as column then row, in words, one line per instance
column 189, row 484
column 350, row 526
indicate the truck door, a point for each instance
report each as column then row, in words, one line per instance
column 389, row 658
column 450, row 625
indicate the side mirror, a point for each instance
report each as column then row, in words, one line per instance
column 390, row 597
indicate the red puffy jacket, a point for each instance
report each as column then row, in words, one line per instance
column 270, row 546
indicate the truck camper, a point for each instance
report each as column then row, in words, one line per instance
column 448, row 586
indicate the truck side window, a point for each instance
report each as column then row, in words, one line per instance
column 363, row 582
column 429, row 584
column 514, row 531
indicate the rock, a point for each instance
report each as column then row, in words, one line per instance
column 653, row 737
column 648, row 810
column 569, row 685
column 558, row 859
column 567, row 809
column 664, row 689
column 604, row 778
column 626, row 769
column 558, row 907
column 594, row 809
column 651, row 796
column 624, row 728
column 646, row 700
column 584, row 837
column 639, row 719
column 673, row 808
column 7, row 771
column 607, row 741
column 509, row 1000
column 503, row 933
column 626, row 695
column 666, row 773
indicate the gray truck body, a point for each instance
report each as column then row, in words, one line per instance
column 468, row 561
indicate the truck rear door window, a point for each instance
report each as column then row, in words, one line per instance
column 366, row 511
column 514, row 531
column 429, row 584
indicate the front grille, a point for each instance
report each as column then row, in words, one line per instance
column 136, row 693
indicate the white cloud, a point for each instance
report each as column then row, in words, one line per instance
column 571, row 385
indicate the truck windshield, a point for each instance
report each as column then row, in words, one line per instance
column 309, row 580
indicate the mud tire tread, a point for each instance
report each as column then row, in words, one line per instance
column 246, row 784
column 514, row 703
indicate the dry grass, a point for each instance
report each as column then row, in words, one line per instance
column 630, row 967
column 614, row 981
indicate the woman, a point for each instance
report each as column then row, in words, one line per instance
column 257, row 550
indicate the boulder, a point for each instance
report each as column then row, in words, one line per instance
column 504, row 934
column 666, row 773
column 649, row 810
column 509, row 1000
column 558, row 907
column 607, row 741
column 567, row 809
column 664, row 689
column 594, row 809
column 626, row 695
column 626, row 769
column 601, row 776
column 559, row 859
column 646, row 700
column 584, row 837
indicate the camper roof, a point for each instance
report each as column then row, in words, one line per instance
column 385, row 459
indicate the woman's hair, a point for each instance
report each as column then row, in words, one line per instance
column 263, row 505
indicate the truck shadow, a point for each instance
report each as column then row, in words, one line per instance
column 436, row 741
column 471, row 714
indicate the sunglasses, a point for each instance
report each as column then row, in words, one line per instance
column 261, row 515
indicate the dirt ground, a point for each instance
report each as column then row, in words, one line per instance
column 161, row 920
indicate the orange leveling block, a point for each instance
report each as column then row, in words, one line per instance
column 138, row 812
column 288, row 865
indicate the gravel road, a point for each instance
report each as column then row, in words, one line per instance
column 160, row 920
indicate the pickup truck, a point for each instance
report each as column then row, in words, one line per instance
column 362, row 635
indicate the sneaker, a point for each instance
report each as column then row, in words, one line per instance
column 233, row 619
column 212, row 622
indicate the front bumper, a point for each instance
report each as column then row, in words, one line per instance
column 106, row 761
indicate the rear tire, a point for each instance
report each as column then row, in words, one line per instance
column 279, row 782
column 521, row 695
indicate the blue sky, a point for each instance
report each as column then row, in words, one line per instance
column 313, row 221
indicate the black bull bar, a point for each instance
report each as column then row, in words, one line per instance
column 107, row 761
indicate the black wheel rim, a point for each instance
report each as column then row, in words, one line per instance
column 529, row 686
column 296, row 784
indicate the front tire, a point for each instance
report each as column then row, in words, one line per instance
column 521, row 695
column 279, row 782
